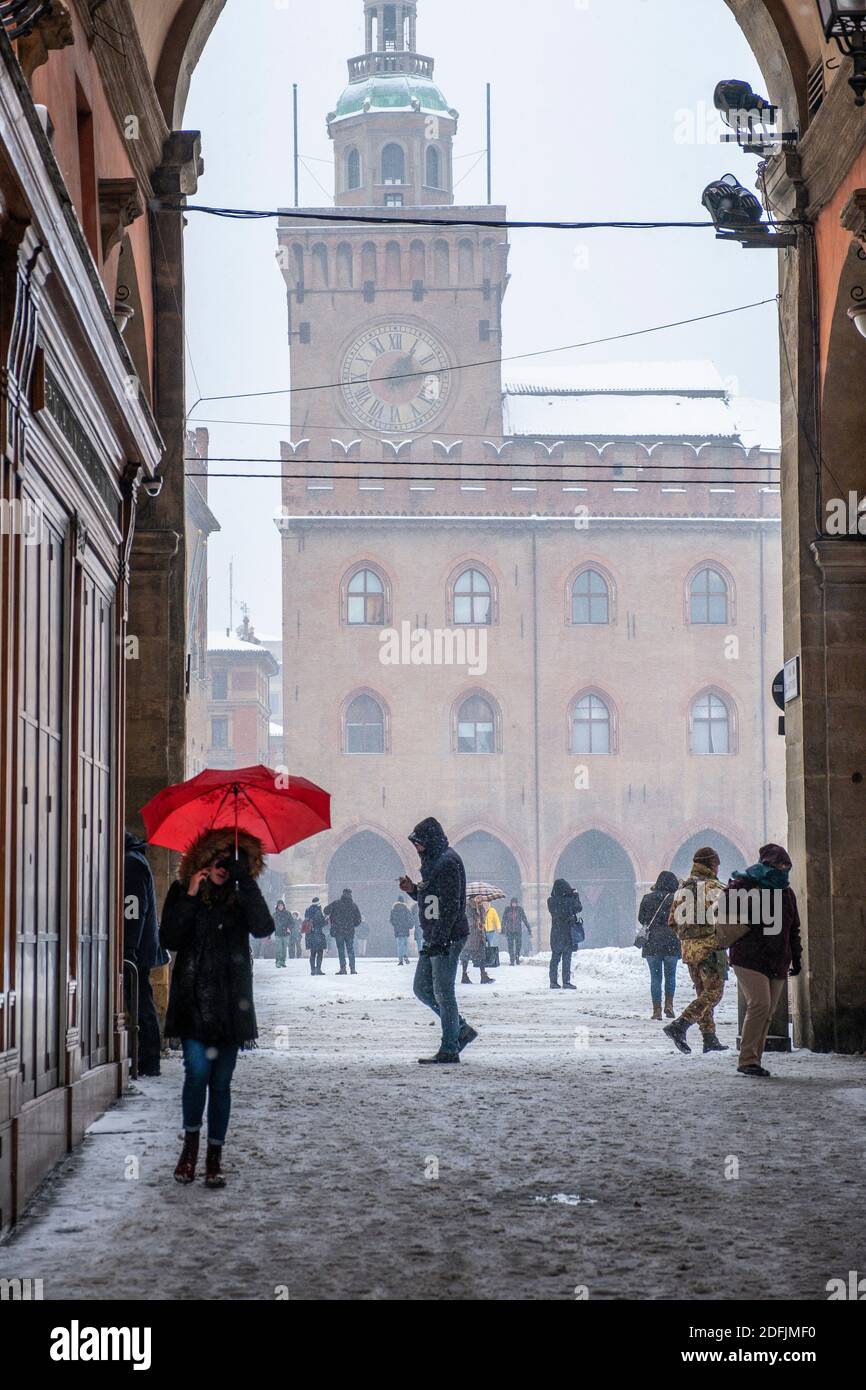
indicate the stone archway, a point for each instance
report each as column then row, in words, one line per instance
column 371, row 867
column 486, row 857
column 601, row 870
column 732, row 858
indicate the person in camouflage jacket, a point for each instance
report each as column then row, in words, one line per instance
column 692, row 917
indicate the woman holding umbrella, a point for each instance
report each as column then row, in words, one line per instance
column 223, row 821
column 210, row 914
column 479, row 896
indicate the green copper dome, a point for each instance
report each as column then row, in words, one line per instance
column 393, row 92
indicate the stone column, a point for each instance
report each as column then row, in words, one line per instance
column 156, row 675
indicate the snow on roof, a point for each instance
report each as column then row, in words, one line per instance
column 680, row 378
column 635, row 400
column 218, row 642
column 759, row 423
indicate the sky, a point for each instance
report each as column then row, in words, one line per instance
column 601, row 111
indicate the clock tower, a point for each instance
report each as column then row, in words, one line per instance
column 394, row 321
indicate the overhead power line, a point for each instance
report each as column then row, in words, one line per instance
column 456, row 478
column 495, row 361
column 385, row 220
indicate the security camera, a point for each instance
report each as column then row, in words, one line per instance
column 153, row 487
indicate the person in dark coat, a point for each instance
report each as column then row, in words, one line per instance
column 344, row 917
column 475, row 949
column 514, row 924
column 208, row 918
column 764, row 958
column 282, row 932
column 296, row 945
column 317, row 941
column 565, row 908
column 441, row 899
column 141, row 947
column 661, row 950
column 401, row 921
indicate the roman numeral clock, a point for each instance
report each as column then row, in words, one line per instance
column 395, row 377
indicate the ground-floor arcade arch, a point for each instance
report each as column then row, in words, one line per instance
column 371, row 867
column 732, row 858
column 603, row 873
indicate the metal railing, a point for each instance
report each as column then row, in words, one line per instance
column 370, row 64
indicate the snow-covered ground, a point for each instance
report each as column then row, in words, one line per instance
column 356, row 1174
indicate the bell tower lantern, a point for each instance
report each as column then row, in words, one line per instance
column 393, row 130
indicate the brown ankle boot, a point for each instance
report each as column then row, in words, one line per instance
column 669, row 1006
column 185, row 1170
column 213, row 1173
column 657, row 1013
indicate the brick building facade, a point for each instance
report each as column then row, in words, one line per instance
column 549, row 613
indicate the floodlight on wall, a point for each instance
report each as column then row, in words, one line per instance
column 737, row 216
column 752, row 119
column 845, row 21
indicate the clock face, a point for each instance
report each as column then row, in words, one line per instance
column 396, row 377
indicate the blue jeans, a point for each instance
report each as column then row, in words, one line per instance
column 402, row 944
column 344, row 949
column 434, row 986
column 207, row 1075
column 657, row 966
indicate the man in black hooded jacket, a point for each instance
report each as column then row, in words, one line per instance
column 141, row 947
column 441, row 899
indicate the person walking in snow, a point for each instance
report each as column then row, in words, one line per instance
column 514, row 923
column 441, row 899
column 401, row 921
column 142, row 949
column 282, row 933
column 296, row 945
column 344, row 917
column 209, row 915
column 692, row 917
column 763, row 959
column 317, row 941
column 362, row 936
column 565, row 908
column 475, row 949
column 661, row 945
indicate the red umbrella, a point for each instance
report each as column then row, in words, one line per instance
column 279, row 810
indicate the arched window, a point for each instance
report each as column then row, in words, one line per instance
column 708, row 597
column 345, row 269
column 466, row 262
column 393, row 266
column 298, row 252
column 417, row 261
column 711, row 725
column 434, row 167
column 473, row 600
column 365, row 600
column 476, row 726
column 393, row 164
column 353, row 170
column 365, row 726
column 320, row 265
column 590, row 599
column 368, row 261
column 441, row 263
column 591, row 725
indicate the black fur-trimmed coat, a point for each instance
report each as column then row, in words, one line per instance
column 211, row 996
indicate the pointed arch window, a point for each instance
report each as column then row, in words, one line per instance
column 592, row 725
column 365, row 726
column 472, row 599
column 476, row 726
column 713, row 727
column 709, row 597
column 353, row 169
column 365, row 599
column 590, row 599
column 393, row 164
